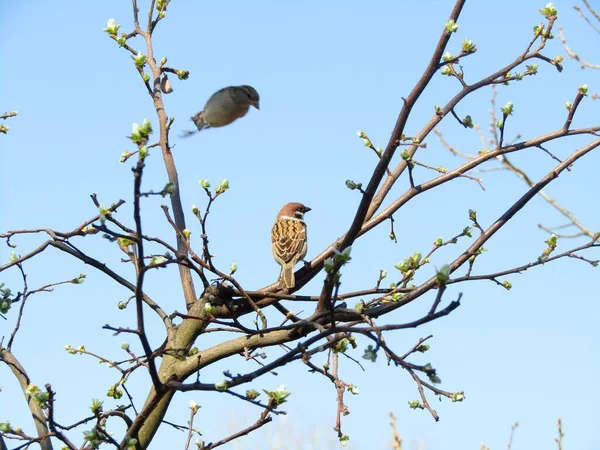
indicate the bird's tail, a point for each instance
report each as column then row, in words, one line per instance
column 287, row 277
column 198, row 120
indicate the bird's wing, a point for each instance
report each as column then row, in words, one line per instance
column 289, row 239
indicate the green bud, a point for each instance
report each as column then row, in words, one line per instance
column 157, row 260
column 279, row 395
column 552, row 241
column 458, row 397
column 434, row 378
column 468, row 46
column 5, row 305
column 583, row 89
column 341, row 346
column 397, row 296
column 115, row 392
column 125, row 156
column 252, row 394
column 353, row 185
column 414, row 404
column 70, row 349
column 443, row 275
column 140, row 60
column 447, row 56
column 549, row 10
column 328, row 264
column 507, row 110
column 79, row 279
column 186, row 233
column 204, row 183
column 92, row 437
column 96, row 406
column 169, row 189
column 451, row 26
column 370, row 354
column 111, row 27
column 233, row 268
column 344, row 256
column 146, row 127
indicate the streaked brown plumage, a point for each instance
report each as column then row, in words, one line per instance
column 288, row 237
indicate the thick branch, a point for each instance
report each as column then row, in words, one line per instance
column 37, row 413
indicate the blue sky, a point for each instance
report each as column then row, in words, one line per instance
column 324, row 72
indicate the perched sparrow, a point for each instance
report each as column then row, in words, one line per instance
column 225, row 106
column 289, row 240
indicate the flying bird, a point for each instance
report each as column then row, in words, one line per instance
column 288, row 237
column 225, row 106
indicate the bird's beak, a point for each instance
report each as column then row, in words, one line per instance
column 307, row 209
column 256, row 105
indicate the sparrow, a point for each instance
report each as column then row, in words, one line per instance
column 225, row 106
column 288, row 238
